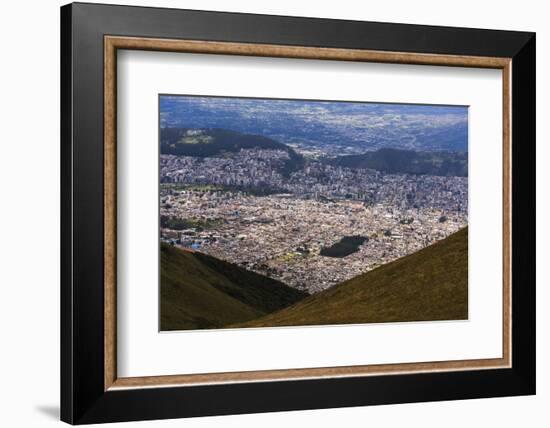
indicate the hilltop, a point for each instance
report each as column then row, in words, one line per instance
column 397, row 161
column 199, row 291
column 431, row 284
column 209, row 142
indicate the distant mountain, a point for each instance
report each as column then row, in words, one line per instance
column 395, row 161
column 199, row 291
column 332, row 127
column 208, row 142
column 431, row 284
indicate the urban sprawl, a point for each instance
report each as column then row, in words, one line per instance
column 245, row 208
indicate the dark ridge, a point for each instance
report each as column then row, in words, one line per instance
column 397, row 161
column 199, row 291
column 210, row 142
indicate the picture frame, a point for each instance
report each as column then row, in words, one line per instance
column 91, row 390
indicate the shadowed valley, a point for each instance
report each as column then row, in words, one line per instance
column 199, row 291
column 429, row 285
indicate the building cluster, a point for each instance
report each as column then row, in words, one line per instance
column 263, row 170
column 279, row 232
column 281, row 235
column 253, row 168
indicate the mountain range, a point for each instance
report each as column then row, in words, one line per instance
column 208, row 142
column 395, row 161
column 334, row 126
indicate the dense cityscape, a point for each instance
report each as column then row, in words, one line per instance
column 246, row 208
column 280, row 212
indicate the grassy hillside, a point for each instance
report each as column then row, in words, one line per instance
column 431, row 284
column 199, row 291
column 394, row 161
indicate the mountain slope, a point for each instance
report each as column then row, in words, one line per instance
column 209, row 142
column 431, row 284
column 395, row 161
column 199, row 291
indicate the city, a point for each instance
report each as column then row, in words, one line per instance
column 246, row 208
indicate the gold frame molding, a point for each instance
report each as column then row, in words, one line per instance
column 113, row 43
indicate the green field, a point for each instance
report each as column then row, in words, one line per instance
column 176, row 223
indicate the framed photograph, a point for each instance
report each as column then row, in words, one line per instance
column 266, row 213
